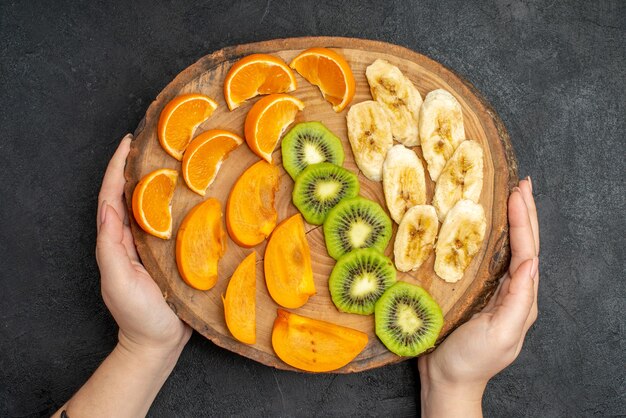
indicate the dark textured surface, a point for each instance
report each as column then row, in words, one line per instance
column 74, row 77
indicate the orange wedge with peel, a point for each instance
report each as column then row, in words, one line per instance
column 204, row 156
column 240, row 301
column 267, row 120
column 328, row 70
column 257, row 74
column 152, row 199
column 180, row 118
column 200, row 243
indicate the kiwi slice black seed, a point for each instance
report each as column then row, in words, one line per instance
column 310, row 143
column 408, row 320
column 319, row 187
column 356, row 223
column 359, row 279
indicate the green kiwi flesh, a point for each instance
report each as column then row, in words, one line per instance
column 359, row 279
column 408, row 320
column 310, row 143
column 319, row 187
column 356, row 223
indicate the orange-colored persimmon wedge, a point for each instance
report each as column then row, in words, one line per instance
column 329, row 71
column 180, row 118
column 287, row 261
column 240, row 301
column 257, row 74
column 204, row 156
column 200, row 243
column 313, row 345
column 152, row 199
column 267, row 120
column 250, row 212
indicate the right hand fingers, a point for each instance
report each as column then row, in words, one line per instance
column 520, row 231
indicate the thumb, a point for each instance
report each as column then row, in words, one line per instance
column 111, row 253
column 512, row 313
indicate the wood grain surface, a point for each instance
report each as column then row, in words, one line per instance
column 204, row 310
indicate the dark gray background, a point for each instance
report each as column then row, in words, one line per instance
column 76, row 76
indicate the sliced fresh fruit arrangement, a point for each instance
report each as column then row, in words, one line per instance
column 359, row 279
column 313, row 345
column 404, row 182
column 288, row 271
column 441, row 129
column 328, row 70
column 399, row 98
column 204, row 156
column 257, row 74
column 356, row 223
column 310, row 143
column 250, row 212
column 267, row 120
column 200, row 243
column 408, row 320
column 152, row 202
column 240, row 301
column 460, row 239
column 461, row 178
column 415, row 239
column 179, row 120
column 370, row 137
column 320, row 187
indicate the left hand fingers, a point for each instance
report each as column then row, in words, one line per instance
column 112, row 190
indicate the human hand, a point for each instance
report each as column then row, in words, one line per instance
column 147, row 324
column 457, row 372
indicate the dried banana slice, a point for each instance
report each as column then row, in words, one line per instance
column 440, row 128
column 415, row 238
column 404, row 181
column 461, row 178
column 370, row 137
column 398, row 97
column 460, row 238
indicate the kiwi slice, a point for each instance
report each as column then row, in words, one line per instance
column 359, row 278
column 310, row 143
column 408, row 320
column 319, row 187
column 356, row 223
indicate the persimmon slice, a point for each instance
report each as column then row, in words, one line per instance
column 250, row 212
column 313, row 345
column 240, row 301
column 288, row 271
column 200, row 243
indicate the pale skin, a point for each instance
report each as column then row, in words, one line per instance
column 151, row 337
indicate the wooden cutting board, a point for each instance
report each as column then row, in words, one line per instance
column 204, row 310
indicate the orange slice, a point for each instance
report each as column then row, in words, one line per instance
column 204, row 156
column 180, row 118
column 240, row 301
column 152, row 200
column 257, row 74
column 267, row 120
column 200, row 243
column 329, row 71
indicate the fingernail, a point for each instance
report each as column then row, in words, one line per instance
column 534, row 267
column 530, row 183
column 128, row 136
column 103, row 211
column 516, row 189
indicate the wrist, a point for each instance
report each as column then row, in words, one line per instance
column 443, row 396
column 159, row 359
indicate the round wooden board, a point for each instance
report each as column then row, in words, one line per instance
column 204, row 310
